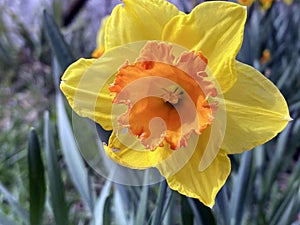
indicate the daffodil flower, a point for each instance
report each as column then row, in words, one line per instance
column 172, row 92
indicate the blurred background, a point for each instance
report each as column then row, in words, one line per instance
column 39, row 185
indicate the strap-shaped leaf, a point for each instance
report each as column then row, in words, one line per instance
column 57, row 44
column 15, row 205
column 37, row 186
column 202, row 212
column 72, row 156
column 6, row 220
column 56, row 187
column 240, row 187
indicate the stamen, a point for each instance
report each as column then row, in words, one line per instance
column 173, row 94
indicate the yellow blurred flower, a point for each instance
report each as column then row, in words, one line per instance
column 172, row 91
column 288, row 2
column 247, row 3
column 266, row 56
column 266, row 4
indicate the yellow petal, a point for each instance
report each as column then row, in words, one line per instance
column 126, row 150
column 180, row 167
column 86, row 83
column 203, row 185
column 216, row 29
column 137, row 20
column 256, row 111
column 100, row 40
column 81, row 84
column 101, row 33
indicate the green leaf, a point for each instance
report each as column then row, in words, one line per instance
column 5, row 220
column 58, row 201
column 57, row 43
column 6, row 59
column 99, row 208
column 239, row 190
column 186, row 211
column 221, row 207
column 288, row 204
column 259, row 165
column 159, row 203
column 142, row 208
column 167, row 203
column 120, row 209
column 202, row 212
column 37, row 186
column 279, row 160
column 106, row 211
column 289, row 214
column 143, row 203
column 22, row 213
column 72, row 156
column 173, row 213
column 57, row 11
column 283, row 211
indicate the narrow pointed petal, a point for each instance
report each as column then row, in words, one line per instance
column 138, row 20
column 215, row 29
column 256, row 111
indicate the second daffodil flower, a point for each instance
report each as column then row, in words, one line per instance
column 172, row 92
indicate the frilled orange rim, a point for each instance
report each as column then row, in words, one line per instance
column 167, row 98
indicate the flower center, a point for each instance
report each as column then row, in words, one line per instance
column 166, row 103
column 172, row 94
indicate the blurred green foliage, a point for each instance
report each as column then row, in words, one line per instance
column 264, row 187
